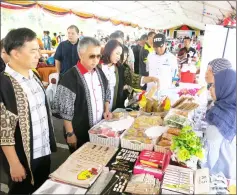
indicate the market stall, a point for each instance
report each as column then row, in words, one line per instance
column 155, row 149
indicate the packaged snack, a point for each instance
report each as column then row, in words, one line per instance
column 165, row 143
column 186, row 103
column 174, row 131
column 167, row 136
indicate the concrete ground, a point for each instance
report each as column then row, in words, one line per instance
column 56, row 158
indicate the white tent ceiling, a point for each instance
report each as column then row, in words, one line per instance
column 154, row 14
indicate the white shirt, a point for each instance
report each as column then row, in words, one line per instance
column 38, row 112
column 131, row 58
column 109, row 72
column 97, row 104
column 164, row 67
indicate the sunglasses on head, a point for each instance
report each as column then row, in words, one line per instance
column 95, row 56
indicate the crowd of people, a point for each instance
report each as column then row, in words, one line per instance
column 93, row 82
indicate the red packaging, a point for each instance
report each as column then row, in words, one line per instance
column 188, row 77
column 161, row 159
column 154, row 157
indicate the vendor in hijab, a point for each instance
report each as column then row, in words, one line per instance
column 221, row 132
column 214, row 67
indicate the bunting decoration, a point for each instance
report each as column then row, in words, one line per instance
column 57, row 11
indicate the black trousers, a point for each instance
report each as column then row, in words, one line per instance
column 40, row 170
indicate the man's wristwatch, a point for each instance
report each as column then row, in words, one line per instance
column 69, row 134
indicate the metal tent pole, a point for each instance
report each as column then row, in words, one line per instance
column 225, row 42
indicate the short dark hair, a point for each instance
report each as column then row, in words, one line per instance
column 1, row 44
column 16, row 38
column 55, row 34
column 144, row 37
column 73, row 27
column 108, row 49
column 151, row 33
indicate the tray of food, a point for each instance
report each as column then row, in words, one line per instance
column 175, row 120
column 143, row 122
column 136, row 139
column 109, row 132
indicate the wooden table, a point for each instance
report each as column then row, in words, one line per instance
column 44, row 72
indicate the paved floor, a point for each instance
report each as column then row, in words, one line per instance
column 56, row 158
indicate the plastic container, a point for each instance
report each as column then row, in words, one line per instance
column 135, row 145
column 104, row 140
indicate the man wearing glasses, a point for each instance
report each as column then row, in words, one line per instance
column 83, row 95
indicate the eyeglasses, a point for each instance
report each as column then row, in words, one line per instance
column 95, row 56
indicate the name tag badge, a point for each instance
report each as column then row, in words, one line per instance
column 166, row 63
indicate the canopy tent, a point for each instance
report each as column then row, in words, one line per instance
column 148, row 14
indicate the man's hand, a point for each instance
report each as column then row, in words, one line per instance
column 72, row 141
column 17, row 171
column 108, row 115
